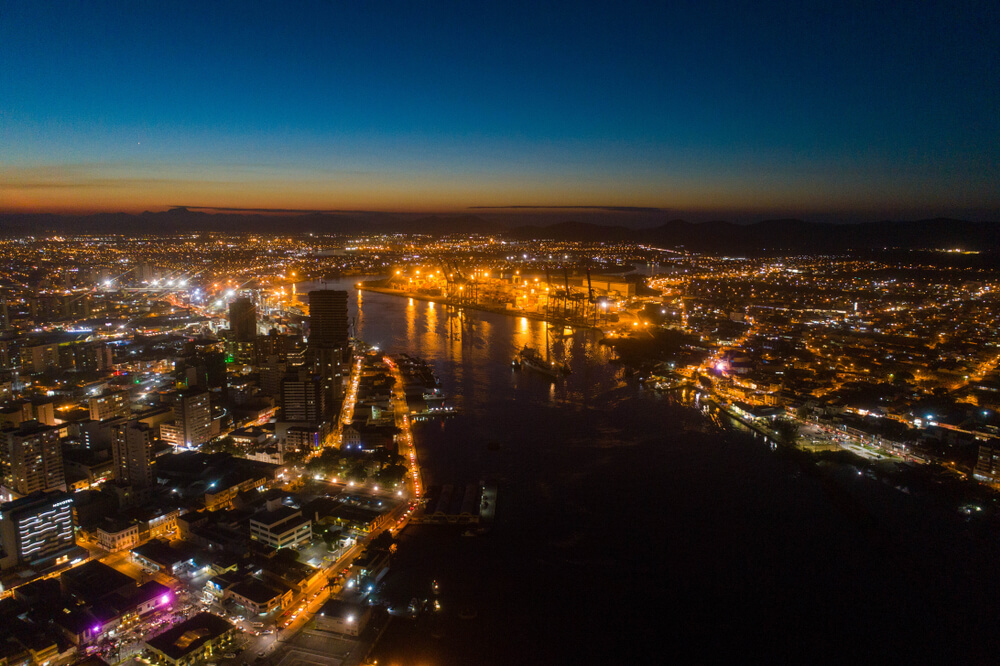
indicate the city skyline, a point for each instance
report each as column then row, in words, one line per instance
column 356, row 333
column 844, row 110
column 279, row 440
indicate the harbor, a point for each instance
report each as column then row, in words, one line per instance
column 461, row 303
column 566, row 458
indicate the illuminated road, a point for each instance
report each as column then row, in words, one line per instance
column 347, row 412
column 299, row 613
column 406, row 447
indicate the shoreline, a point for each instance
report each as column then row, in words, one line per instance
column 367, row 286
column 370, row 286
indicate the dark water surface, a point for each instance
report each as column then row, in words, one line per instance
column 631, row 528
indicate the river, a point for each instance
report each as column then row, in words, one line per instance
column 631, row 528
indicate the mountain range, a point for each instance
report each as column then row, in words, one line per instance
column 719, row 236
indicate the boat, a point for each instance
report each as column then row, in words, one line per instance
column 531, row 359
column 561, row 332
column 433, row 395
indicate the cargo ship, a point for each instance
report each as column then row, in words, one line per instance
column 531, row 359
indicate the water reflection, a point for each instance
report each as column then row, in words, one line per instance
column 471, row 350
column 431, row 319
column 355, row 315
column 595, row 473
column 411, row 320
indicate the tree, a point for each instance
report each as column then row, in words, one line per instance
column 295, row 457
column 391, row 474
column 357, row 472
column 222, row 445
column 285, row 555
column 902, row 377
column 383, row 542
column 786, row 431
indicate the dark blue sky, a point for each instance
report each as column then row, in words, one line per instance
column 874, row 109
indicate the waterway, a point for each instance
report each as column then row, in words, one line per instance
column 631, row 527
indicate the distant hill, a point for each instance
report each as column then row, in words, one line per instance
column 182, row 220
column 783, row 235
column 718, row 236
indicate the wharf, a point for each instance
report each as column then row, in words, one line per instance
column 536, row 316
column 433, row 413
column 739, row 417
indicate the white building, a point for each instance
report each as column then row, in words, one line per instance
column 283, row 527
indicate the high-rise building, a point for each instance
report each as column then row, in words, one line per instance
column 32, row 459
column 39, row 358
column 302, row 398
column 328, row 344
column 193, row 416
column 243, row 331
column 328, row 318
column 109, row 405
column 147, row 272
column 329, row 364
column 987, row 464
column 243, row 319
column 206, row 369
column 37, row 528
column 91, row 356
column 44, row 411
column 13, row 415
column 132, row 447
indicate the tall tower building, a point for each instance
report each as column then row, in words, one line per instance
column 132, row 447
column 243, row 319
column 302, row 398
column 243, row 330
column 193, row 416
column 328, row 318
column 32, row 459
column 328, row 344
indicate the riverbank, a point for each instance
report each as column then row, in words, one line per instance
column 878, row 542
column 534, row 316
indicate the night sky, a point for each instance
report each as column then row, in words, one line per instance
column 860, row 109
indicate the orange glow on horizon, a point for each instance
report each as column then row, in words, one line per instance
column 99, row 188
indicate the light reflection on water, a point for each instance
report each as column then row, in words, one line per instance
column 598, row 476
column 471, row 351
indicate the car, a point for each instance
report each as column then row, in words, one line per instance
column 261, row 654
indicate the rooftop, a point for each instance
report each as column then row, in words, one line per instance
column 190, row 635
column 276, row 516
column 341, row 608
column 94, row 580
column 258, row 591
